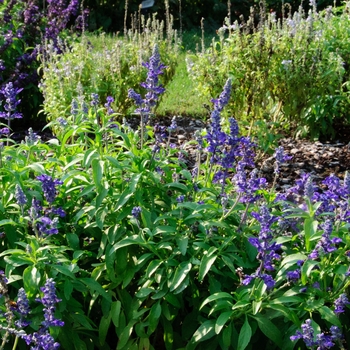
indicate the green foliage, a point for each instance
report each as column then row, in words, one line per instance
column 106, row 65
column 289, row 73
column 190, row 268
column 172, row 277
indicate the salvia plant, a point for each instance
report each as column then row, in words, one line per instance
column 24, row 26
column 289, row 71
column 118, row 238
column 105, row 65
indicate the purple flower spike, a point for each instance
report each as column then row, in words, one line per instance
column 42, row 338
column 47, row 226
column 9, row 94
column 281, row 158
column 49, row 186
column 109, row 101
column 94, row 99
column 266, row 247
column 222, row 101
column 20, row 196
column 4, row 131
column 321, row 340
column 293, row 276
column 136, row 211
column 49, row 300
column 307, row 334
column 326, row 244
column 152, row 86
column 341, row 303
column 180, row 199
column 22, row 308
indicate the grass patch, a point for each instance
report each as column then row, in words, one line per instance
column 181, row 97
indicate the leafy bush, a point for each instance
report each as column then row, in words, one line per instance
column 24, row 24
column 288, row 71
column 108, row 66
column 149, row 252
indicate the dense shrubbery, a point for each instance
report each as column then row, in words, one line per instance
column 24, row 26
column 139, row 250
column 113, row 237
column 291, row 72
column 105, row 65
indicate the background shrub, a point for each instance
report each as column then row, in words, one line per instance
column 24, row 25
column 106, row 66
column 289, row 71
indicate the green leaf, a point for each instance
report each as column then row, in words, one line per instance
column 125, row 335
column 286, row 299
column 182, row 243
column 269, row 329
column 89, row 156
column 31, row 279
column 173, row 300
column 215, row 296
column 285, row 311
column 205, row 331
column 68, row 288
column 83, row 320
column 36, row 167
column 256, row 306
column 144, row 292
column 306, row 269
column 206, row 262
column 73, row 240
column 129, row 192
column 95, row 286
column 153, row 318
column 103, row 328
column 152, row 267
column 221, row 321
column 135, row 239
column 64, row 270
column 177, row 185
column 163, row 229
column 7, row 222
column 168, row 334
column 228, row 263
column 180, row 274
column 329, row 316
column 115, row 312
column 292, row 259
column 245, row 335
column 102, row 192
column 227, row 335
column 310, row 228
column 97, row 171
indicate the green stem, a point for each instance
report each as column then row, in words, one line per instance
column 142, row 127
column 15, row 343
column 224, row 216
